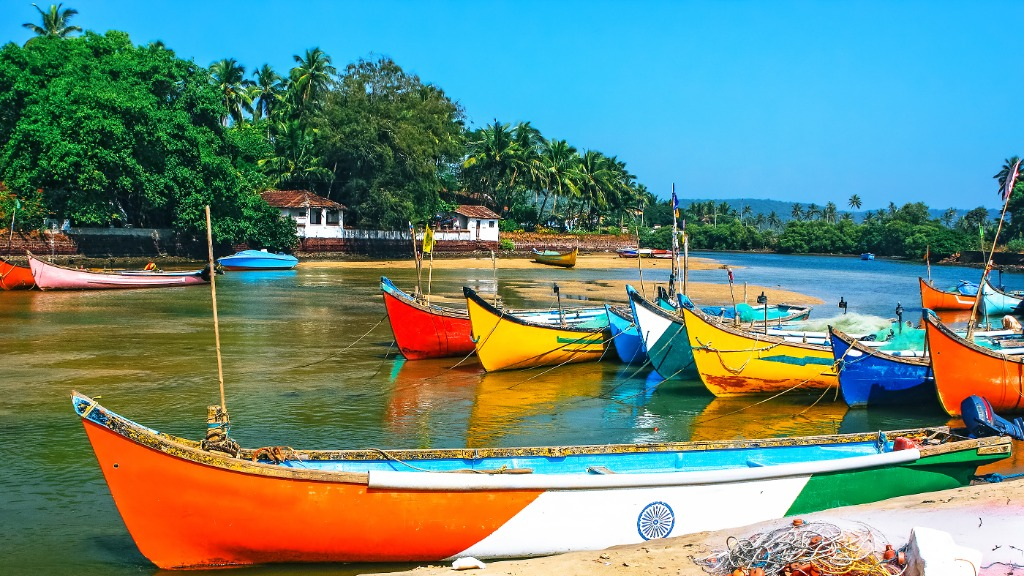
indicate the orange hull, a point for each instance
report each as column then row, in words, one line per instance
column 15, row 277
column 963, row 368
column 934, row 299
column 183, row 514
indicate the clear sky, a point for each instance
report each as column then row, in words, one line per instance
column 899, row 101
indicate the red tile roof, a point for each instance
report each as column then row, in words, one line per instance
column 298, row 199
column 476, row 212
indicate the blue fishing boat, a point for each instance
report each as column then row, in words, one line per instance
column 867, row 256
column 629, row 346
column 868, row 376
column 258, row 260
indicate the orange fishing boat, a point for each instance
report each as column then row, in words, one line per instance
column 934, row 299
column 963, row 368
column 14, row 277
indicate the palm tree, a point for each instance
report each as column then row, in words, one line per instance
column 829, row 212
column 812, row 212
column 310, row 78
column 489, row 161
column 746, row 213
column 229, row 78
column 266, row 91
column 759, row 220
column 798, row 212
column 846, row 216
column 295, row 161
column 55, row 22
column 773, row 220
column 948, row 217
column 855, row 202
column 559, row 160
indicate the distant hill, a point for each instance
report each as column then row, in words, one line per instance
column 785, row 209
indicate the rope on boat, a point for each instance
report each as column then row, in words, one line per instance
column 997, row 477
column 804, row 549
column 707, row 347
column 345, row 349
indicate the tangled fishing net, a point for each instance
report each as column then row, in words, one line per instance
column 805, row 549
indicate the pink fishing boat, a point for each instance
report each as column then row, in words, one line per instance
column 53, row 277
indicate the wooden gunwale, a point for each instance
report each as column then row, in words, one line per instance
column 868, row 351
column 405, row 298
column 190, row 450
column 511, row 316
column 757, row 337
column 946, row 331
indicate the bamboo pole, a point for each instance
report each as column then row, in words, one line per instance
column 1011, row 180
column 216, row 321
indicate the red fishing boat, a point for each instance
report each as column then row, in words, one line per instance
column 963, row 368
column 425, row 330
column 934, row 299
column 15, row 277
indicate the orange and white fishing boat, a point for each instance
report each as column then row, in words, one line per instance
column 205, row 504
column 962, row 368
column 934, row 299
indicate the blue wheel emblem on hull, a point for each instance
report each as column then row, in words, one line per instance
column 656, row 520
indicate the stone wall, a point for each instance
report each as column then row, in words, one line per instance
column 526, row 241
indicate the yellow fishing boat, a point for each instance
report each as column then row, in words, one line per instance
column 505, row 341
column 732, row 361
column 556, row 258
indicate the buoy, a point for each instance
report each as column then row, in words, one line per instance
column 816, row 541
column 889, row 553
column 151, row 266
column 901, row 443
column 798, row 522
column 738, row 572
column 756, row 572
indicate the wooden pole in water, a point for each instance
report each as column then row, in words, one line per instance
column 10, row 239
column 216, row 321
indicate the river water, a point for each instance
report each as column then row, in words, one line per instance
column 309, row 362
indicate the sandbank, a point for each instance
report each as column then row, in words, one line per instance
column 986, row 517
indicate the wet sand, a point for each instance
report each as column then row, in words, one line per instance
column 986, row 517
column 598, row 291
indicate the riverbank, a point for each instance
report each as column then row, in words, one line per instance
column 986, row 517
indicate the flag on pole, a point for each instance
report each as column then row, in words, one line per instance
column 17, row 204
column 927, row 252
column 1011, row 180
column 730, row 274
column 428, row 240
column 675, row 204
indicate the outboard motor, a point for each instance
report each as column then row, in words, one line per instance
column 982, row 421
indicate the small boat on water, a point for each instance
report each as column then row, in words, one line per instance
column 52, row 277
column 960, row 297
column 734, row 361
column 505, row 340
column 664, row 337
column 868, row 376
column 963, row 368
column 996, row 302
column 643, row 253
column 258, row 260
column 867, row 256
column 13, row 277
column 625, row 335
column 556, row 258
column 425, row 330
column 189, row 507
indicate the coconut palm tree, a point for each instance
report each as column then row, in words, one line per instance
column 267, row 91
column 773, row 220
column 55, row 22
column 559, row 160
column 949, row 217
column 855, row 202
column 830, row 212
column 798, row 212
column 746, row 213
column 489, row 163
column 229, row 78
column 294, row 161
column 310, row 78
column 812, row 212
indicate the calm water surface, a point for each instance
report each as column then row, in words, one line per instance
column 309, row 362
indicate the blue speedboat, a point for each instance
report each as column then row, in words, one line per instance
column 258, row 260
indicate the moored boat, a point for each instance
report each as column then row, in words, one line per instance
column 258, row 260
column 867, row 256
column 995, row 302
column 13, row 277
column 963, row 368
column 52, row 277
column 735, row 361
column 187, row 507
column 625, row 336
column 425, row 330
column 556, row 258
column 934, row 299
column 506, row 341
column 664, row 337
column 868, row 376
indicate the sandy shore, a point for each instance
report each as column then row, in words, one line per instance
column 598, row 291
column 988, row 517
column 597, row 261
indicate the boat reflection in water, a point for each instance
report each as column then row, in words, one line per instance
column 733, row 418
column 431, row 399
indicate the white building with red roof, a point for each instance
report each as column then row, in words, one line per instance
column 315, row 216
column 476, row 223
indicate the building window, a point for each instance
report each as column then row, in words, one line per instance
column 490, row 223
column 333, row 217
column 316, row 216
column 300, row 212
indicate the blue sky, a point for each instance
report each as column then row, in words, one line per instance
column 803, row 101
